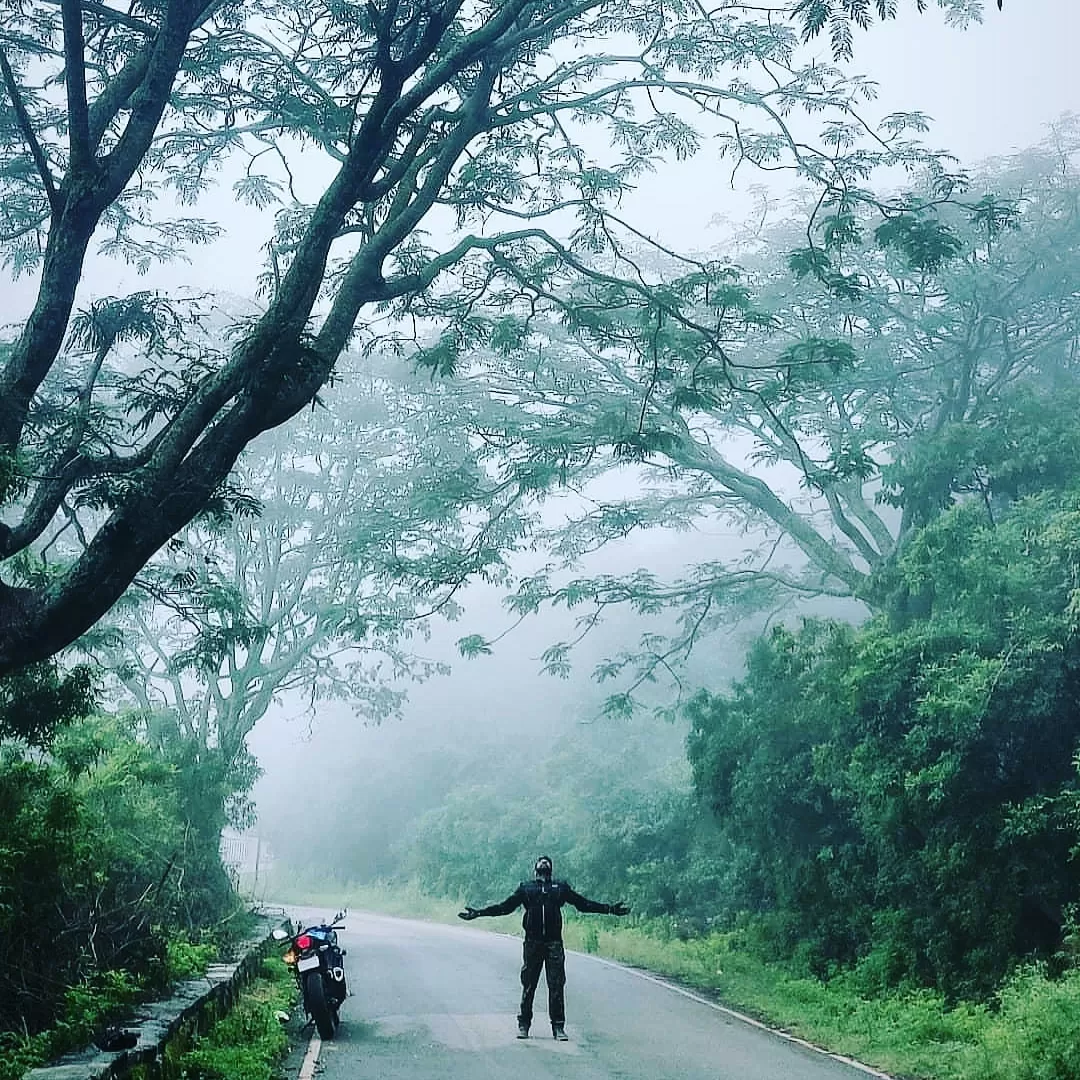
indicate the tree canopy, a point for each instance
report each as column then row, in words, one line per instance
column 453, row 138
column 872, row 369
column 364, row 524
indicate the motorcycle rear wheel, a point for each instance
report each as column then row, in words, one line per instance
column 317, row 1006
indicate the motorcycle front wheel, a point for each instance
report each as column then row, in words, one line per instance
column 317, row 1006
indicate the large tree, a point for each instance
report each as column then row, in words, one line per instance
column 432, row 117
column 863, row 373
column 372, row 513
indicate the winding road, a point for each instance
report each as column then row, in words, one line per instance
column 441, row 1001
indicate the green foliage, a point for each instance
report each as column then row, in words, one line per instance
column 1033, row 1035
column 926, row 243
column 12, row 480
column 912, row 351
column 373, row 513
column 37, row 700
column 186, row 959
column 87, row 1006
column 443, row 357
column 473, row 645
column 809, row 261
column 1030, row 442
column 842, row 16
column 109, row 867
column 249, row 1041
column 837, row 355
column 902, row 789
column 609, row 799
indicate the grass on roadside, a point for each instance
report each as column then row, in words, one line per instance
column 1030, row 1032
column 248, row 1042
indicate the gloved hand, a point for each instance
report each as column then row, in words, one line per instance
column 468, row 914
column 619, row 908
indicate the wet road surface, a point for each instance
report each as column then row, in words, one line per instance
column 441, row 1001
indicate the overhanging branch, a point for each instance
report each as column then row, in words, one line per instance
column 26, row 127
column 108, row 14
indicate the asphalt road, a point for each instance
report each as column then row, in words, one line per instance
column 441, row 1002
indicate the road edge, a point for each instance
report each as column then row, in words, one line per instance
column 734, row 1014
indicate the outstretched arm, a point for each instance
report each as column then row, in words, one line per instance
column 595, row 907
column 508, row 905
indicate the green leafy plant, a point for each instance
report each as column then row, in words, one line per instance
column 249, row 1041
column 904, row 790
column 107, row 868
column 186, row 959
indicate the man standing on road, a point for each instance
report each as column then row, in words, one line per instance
column 543, row 899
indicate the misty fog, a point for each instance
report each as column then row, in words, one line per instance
column 990, row 91
column 642, row 434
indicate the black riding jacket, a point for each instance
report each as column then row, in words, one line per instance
column 543, row 901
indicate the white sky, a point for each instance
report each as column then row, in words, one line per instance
column 990, row 90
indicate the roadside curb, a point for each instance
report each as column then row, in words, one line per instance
column 167, row 1028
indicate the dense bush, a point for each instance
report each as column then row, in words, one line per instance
column 904, row 790
column 108, row 866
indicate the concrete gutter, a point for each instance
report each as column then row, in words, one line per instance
column 166, row 1029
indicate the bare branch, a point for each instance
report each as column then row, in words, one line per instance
column 75, row 81
column 22, row 117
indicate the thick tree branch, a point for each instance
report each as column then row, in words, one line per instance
column 363, row 281
column 857, row 506
column 75, row 82
column 148, row 102
column 111, row 15
column 115, row 96
column 822, row 554
column 26, row 127
column 851, row 531
column 83, row 204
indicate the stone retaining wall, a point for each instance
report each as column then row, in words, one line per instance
column 166, row 1028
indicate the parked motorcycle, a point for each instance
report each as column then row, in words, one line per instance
column 317, row 962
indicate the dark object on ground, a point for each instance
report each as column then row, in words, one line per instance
column 115, row 1038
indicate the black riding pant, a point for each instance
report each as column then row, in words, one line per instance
column 552, row 956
